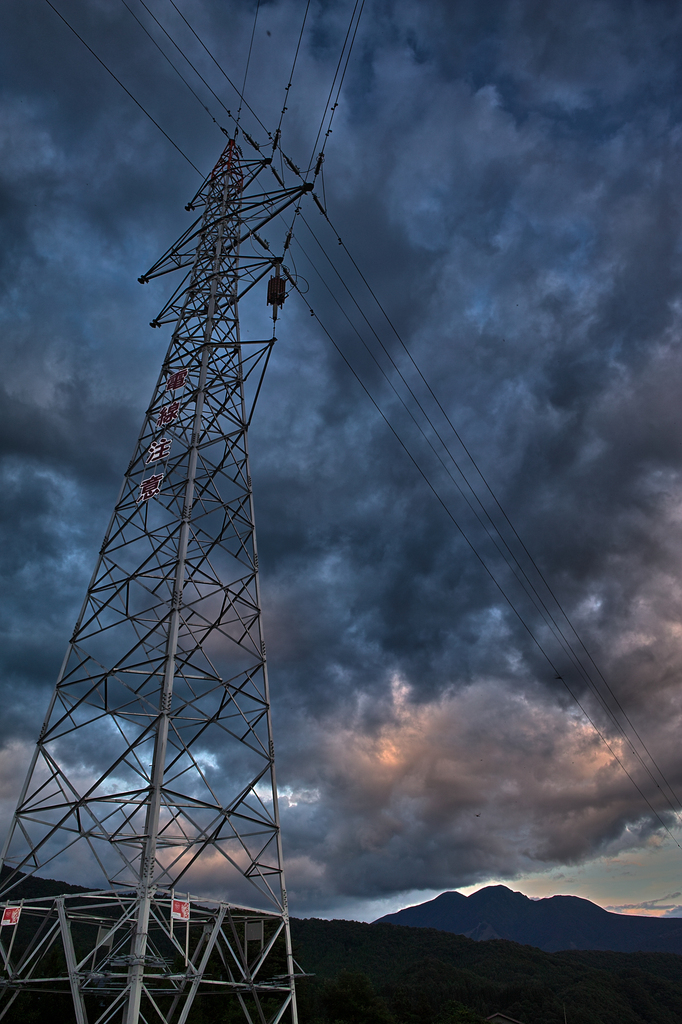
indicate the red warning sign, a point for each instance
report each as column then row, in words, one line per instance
column 180, row 910
column 10, row 915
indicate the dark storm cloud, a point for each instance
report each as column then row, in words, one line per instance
column 508, row 178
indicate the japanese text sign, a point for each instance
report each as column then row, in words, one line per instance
column 167, row 414
column 159, row 450
column 10, row 915
column 150, row 487
column 176, row 380
column 180, row 910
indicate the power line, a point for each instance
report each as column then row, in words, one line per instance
column 508, row 600
column 194, row 69
column 220, row 68
column 361, row 3
column 248, row 61
column 534, row 597
column 127, row 91
column 542, row 577
column 320, row 159
column 167, row 58
column 293, row 68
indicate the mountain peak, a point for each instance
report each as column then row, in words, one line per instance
column 552, row 923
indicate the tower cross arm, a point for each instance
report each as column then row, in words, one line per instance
column 180, row 255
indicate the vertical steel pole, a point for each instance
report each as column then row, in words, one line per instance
column 148, row 863
column 70, row 955
column 275, row 800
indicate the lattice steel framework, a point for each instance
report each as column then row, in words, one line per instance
column 155, row 762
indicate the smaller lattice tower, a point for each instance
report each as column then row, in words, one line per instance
column 154, row 771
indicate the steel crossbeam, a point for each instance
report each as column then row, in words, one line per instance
column 155, row 761
column 210, row 956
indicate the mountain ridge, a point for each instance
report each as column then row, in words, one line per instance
column 552, row 924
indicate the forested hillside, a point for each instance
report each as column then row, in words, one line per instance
column 374, row 973
column 392, row 974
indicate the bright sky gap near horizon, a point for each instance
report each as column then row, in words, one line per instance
column 508, row 181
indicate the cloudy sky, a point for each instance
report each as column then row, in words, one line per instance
column 507, row 178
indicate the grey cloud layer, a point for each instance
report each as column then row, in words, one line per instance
column 509, row 181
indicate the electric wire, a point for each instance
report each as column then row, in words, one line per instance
column 220, row 68
column 361, row 4
column 291, row 74
column 335, row 105
column 541, row 607
column 248, row 61
column 486, row 569
column 201, row 77
column 320, row 159
column 194, row 69
column 535, row 598
column 573, row 654
column 167, row 58
column 532, row 561
column 126, row 90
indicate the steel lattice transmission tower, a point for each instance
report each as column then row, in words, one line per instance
column 155, row 764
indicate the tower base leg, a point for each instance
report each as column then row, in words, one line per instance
column 78, row 950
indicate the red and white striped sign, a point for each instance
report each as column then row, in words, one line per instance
column 180, row 910
column 10, row 915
